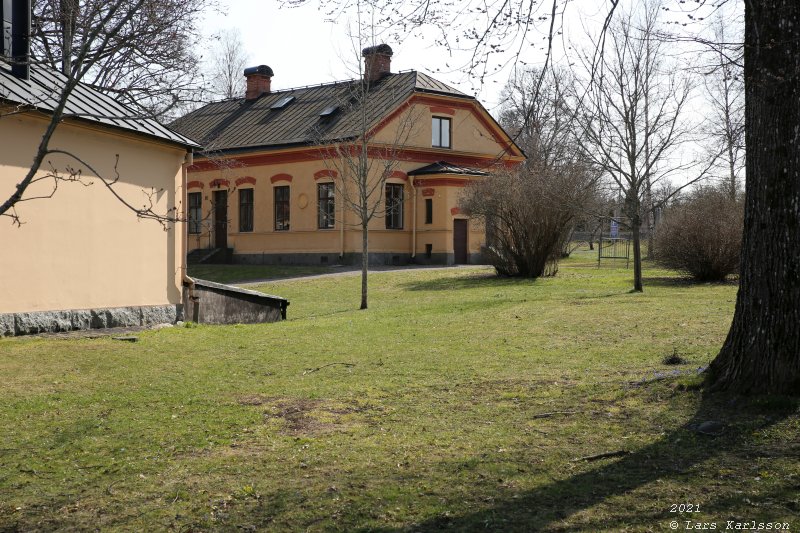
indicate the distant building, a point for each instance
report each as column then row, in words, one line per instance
column 267, row 187
column 81, row 259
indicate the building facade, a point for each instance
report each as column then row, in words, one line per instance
column 76, row 257
column 279, row 177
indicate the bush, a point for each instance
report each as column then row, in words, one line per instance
column 702, row 236
column 529, row 216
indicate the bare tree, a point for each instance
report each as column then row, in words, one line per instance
column 112, row 20
column 724, row 86
column 530, row 211
column 228, row 60
column 631, row 119
column 365, row 161
column 536, row 112
column 150, row 62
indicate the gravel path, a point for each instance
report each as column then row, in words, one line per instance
column 347, row 271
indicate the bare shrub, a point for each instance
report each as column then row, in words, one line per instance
column 702, row 235
column 530, row 212
column 529, row 216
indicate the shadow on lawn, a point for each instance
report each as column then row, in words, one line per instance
column 671, row 458
column 664, row 281
column 477, row 281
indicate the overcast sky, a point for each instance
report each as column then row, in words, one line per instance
column 304, row 47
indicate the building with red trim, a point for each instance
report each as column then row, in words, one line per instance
column 273, row 185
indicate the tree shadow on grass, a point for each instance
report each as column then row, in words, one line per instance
column 675, row 457
column 665, row 281
column 476, row 281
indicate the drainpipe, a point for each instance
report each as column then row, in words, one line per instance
column 187, row 281
column 414, row 220
column 341, row 229
column 187, row 161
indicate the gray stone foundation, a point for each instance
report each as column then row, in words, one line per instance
column 13, row 324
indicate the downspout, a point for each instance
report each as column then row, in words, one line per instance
column 187, row 281
column 341, row 229
column 414, row 219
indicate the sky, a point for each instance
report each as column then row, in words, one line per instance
column 304, row 47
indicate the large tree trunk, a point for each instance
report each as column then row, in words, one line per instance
column 762, row 351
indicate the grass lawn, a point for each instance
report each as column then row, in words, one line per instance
column 457, row 401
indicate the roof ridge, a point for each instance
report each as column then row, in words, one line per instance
column 310, row 86
column 323, row 85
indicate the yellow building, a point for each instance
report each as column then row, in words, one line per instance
column 81, row 259
column 273, row 184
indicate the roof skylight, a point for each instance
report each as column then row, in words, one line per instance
column 329, row 111
column 283, row 102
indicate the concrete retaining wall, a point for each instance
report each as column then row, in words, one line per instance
column 207, row 302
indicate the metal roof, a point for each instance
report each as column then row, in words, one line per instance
column 245, row 124
column 42, row 91
column 443, row 167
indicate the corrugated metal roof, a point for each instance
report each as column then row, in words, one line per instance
column 42, row 91
column 242, row 124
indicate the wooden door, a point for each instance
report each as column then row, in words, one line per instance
column 220, row 219
column 460, row 241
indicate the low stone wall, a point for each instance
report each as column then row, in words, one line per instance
column 13, row 324
column 207, row 302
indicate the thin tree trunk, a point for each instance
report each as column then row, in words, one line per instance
column 651, row 220
column 69, row 17
column 364, row 263
column 633, row 209
column 637, row 254
column 732, row 170
column 762, row 351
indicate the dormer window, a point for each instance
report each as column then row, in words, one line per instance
column 440, row 128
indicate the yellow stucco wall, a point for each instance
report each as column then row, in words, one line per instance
column 470, row 139
column 469, row 134
column 305, row 237
column 82, row 248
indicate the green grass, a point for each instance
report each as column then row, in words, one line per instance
column 240, row 273
column 426, row 412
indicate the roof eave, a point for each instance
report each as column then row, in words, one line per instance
column 28, row 108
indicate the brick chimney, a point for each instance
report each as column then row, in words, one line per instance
column 15, row 25
column 377, row 61
column 259, row 80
